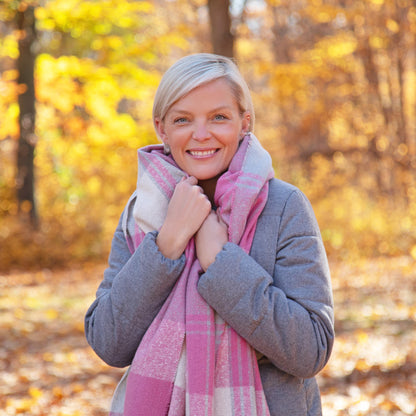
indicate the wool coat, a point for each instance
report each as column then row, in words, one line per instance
column 278, row 297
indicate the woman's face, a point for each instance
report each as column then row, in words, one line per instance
column 203, row 129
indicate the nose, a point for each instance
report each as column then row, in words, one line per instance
column 201, row 131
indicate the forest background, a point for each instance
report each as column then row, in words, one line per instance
column 334, row 88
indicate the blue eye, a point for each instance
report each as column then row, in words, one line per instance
column 220, row 117
column 180, row 120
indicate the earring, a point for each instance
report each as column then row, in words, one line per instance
column 166, row 149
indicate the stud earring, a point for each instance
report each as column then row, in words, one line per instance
column 166, row 149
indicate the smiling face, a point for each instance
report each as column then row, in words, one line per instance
column 203, row 129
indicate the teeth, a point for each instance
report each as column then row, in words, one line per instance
column 202, row 152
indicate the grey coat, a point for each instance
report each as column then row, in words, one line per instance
column 278, row 298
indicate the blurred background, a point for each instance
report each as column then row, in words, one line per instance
column 334, row 88
column 334, row 85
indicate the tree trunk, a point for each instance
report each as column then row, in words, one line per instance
column 25, row 19
column 221, row 37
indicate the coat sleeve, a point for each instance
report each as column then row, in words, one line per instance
column 288, row 316
column 132, row 292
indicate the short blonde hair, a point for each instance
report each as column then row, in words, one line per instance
column 195, row 70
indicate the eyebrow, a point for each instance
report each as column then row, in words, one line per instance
column 220, row 108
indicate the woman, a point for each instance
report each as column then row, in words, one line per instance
column 217, row 293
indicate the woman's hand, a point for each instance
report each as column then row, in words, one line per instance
column 187, row 210
column 210, row 239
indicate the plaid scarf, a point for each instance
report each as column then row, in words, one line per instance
column 191, row 362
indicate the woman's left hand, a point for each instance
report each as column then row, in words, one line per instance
column 210, row 239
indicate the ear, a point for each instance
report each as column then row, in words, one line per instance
column 160, row 129
column 245, row 123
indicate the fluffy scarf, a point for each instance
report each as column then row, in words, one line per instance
column 191, row 362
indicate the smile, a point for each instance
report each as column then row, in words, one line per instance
column 202, row 153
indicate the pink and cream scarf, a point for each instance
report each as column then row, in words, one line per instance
column 191, row 362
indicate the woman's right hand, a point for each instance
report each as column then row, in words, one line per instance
column 187, row 210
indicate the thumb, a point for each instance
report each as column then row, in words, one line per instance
column 191, row 180
column 220, row 218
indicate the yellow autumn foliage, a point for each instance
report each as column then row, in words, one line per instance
column 330, row 130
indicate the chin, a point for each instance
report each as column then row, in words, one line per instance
column 208, row 177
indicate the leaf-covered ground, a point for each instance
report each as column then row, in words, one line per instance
column 47, row 368
column 373, row 367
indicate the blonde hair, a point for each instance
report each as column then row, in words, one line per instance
column 195, row 70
